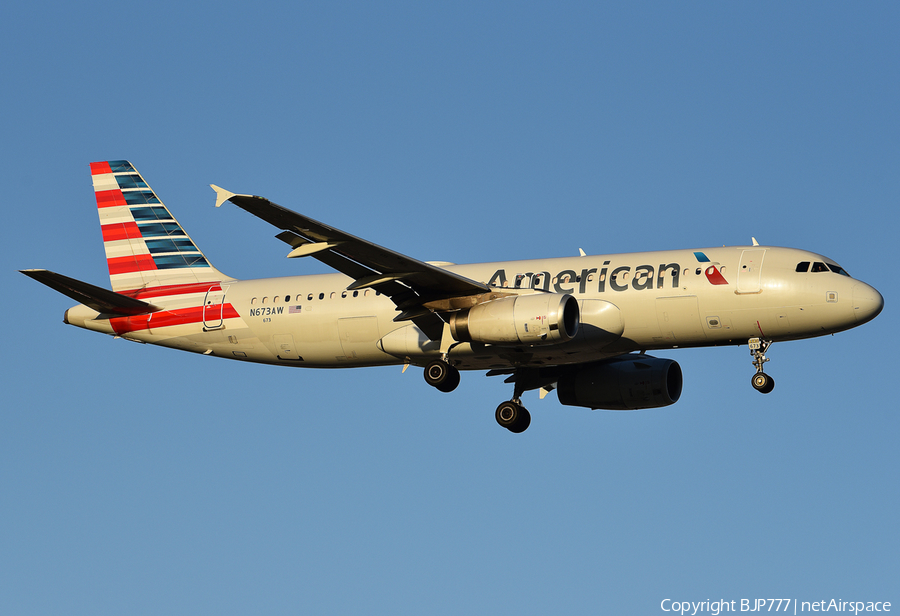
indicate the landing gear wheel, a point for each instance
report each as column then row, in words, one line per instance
column 442, row 376
column 762, row 382
column 513, row 416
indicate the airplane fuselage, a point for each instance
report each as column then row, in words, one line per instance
column 665, row 299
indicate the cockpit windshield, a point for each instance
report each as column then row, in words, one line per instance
column 820, row 266
column 837, row 269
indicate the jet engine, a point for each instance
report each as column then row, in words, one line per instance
column 542, row 318
column 626, row 383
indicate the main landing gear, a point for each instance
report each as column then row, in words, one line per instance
column 442, row 376
column 511, row 415
column 761, row 381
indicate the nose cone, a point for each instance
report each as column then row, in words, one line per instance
column 867, row 302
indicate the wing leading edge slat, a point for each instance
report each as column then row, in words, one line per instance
column 424, row 278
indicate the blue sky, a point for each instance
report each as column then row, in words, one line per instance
column 140, row 480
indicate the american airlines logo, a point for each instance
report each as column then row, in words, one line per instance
column 618, row 279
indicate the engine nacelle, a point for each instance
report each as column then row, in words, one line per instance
column 542, row 318
column 632, row 382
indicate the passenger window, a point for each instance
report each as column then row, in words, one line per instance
column 343, row 294
column 287, row 298
column 299, row 297
column 356, row 294
column 275, row 299
column 252, row 301
column 803, row 266
column 321, row 296
column 265, row 299
column 333, row 295
column 309, row 297
column 818, row 266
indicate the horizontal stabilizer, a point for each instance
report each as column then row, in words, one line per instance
column 102, row 300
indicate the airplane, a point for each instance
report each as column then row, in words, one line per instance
column 580, row 325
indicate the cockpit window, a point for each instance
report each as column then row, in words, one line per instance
column 803, row 266
column 818, row 266
column 837, row 269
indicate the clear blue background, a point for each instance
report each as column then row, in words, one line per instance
column 139, row 480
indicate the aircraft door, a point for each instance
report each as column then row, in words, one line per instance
column 284, row 347
column 213, row 308
column 748, row 278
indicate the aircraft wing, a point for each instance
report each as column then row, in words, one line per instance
column 409, row 283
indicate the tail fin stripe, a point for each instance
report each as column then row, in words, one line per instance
column 120, row 231
column 161, row 229
column 100, row 168
column 110, row 198
column 140, row 197
column 130, row 264
column 131, row 181
column 177, row 261
column 142, row 214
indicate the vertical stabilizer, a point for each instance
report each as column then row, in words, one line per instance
column 145, row 246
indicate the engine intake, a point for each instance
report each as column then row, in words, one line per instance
column 542, row 318
column 632, row 382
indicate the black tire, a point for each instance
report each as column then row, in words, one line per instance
column 513, row 417
column 522, row 422
column 762, row 382
column 442, row 376
column 451, row 382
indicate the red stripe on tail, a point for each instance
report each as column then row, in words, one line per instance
column 102, row 167
column 110, row 198
column 120, row 231
column 126, row 265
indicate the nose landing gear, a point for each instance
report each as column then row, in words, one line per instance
column 761, row 381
